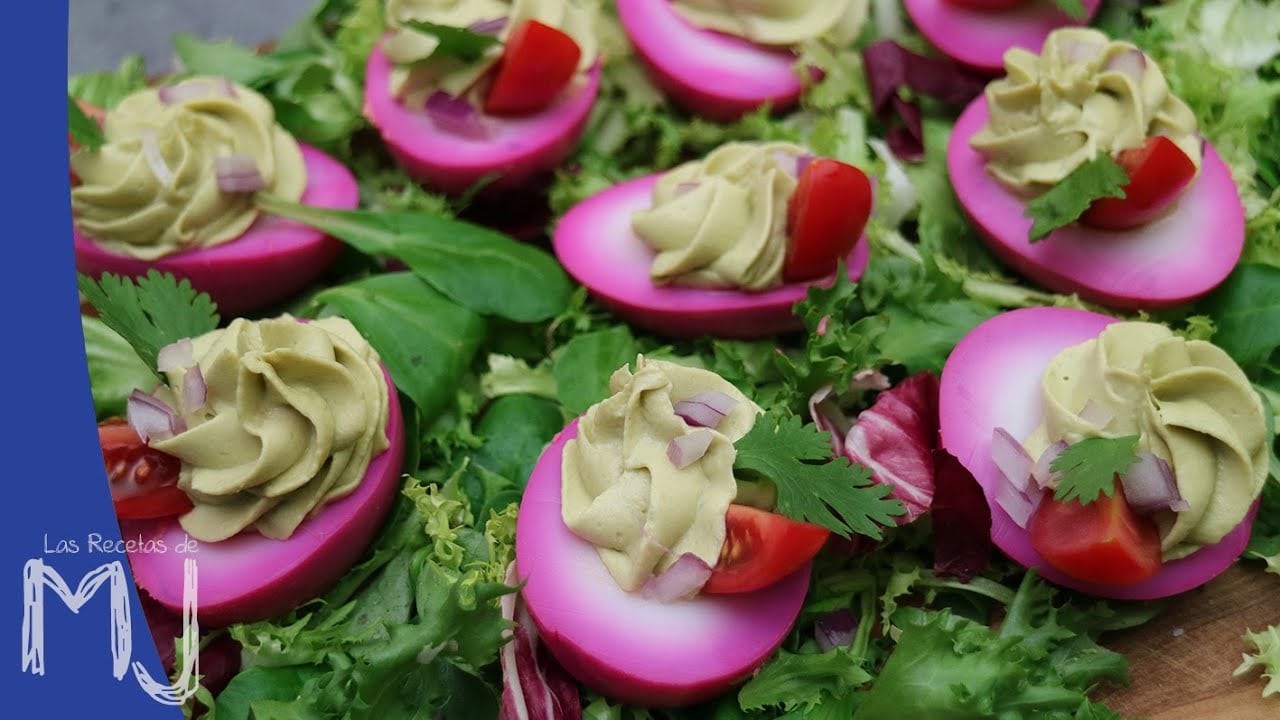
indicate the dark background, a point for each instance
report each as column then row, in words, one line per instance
column 102, row 32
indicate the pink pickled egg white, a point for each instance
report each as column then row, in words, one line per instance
column 274, row 260
column 631, row 649
column 979, row 38
column 720, row 77
column 992, row 379
column 517, row 149
column 249, row 577
column 595, row 243
column 1172, row 260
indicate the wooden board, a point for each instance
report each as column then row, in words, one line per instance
column 1180, row 664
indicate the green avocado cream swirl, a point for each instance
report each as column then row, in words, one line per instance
column 1189, row 404
column 778, row 22
column 294, row 413
column 416, row 74
column 1083, row 95
column 127, row 208
column 721, row 222
column 620, row 491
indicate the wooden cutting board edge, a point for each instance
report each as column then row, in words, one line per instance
column 1180, row 664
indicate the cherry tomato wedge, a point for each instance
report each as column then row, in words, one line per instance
column 1158, row 173
column 825, row 218
column 537, row 64
column 990, row 5
column 761, row 548
column 143, row 480
column 1102, row 542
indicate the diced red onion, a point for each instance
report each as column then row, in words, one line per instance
column 716, row 400
column 826, row 414
column 689, row 448
column 1078, row 51
column 785, row 161
column 802, row 162
column 1096, row 414
column 194, row 390
column 175, row 356
column 488, row 27
column 682, row 580
column 870, row 379
column 1012, row 459
column 196, row 88
column 1017, row 504
column 1043, row 475
column 685, row 188
column 238, row 173
column 155, row 160
column 697, row 414
column 1131, row 62
column 835, row 629
column 455, row 115
column 151, row 418
column 1149, row 485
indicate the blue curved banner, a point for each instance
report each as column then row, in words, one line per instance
column 85, row 646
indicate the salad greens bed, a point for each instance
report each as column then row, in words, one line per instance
column 494, row 350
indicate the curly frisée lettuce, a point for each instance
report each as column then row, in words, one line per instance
column 410, row 632
column 1266, row 656
column 1216, row 55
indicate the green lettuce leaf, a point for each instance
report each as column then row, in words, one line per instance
column 107, row 88
column 115, row 370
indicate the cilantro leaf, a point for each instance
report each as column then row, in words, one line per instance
column 1090, row 466
column 84, row 131
column 835, row 494
column 150, row 312
column 1073, row 9
column 457, row 42
column 1065, row 202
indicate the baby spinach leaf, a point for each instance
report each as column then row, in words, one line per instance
column 478, row 268
column 583, row 366
column 425, row 341
column 1246, row 308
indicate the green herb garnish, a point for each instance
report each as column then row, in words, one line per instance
column 150, row 312
column 1065, row 202
column 1089, row 467
column 835, row 494
column 1073, row 8
column 84, row 131
column 460, row 43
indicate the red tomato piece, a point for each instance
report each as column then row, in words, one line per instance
column 761, row 548
column 990, row 5
column 1158, row 173
column 143, row 480
column 825, row 218
column 1102, row 542
column 536, row 66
